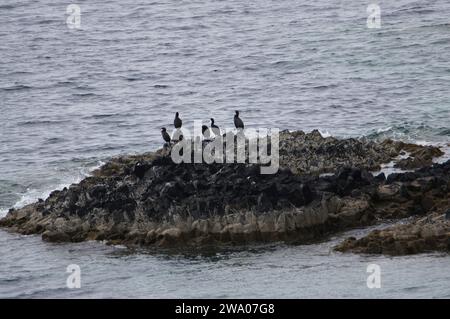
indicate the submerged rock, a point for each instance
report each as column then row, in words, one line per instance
column 149, row 200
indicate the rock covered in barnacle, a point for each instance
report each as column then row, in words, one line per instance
column 313, row 154
column 149, row 200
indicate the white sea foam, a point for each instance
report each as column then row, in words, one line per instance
column 383, row 130
column 443, row 146
column 444, row 158
column 390, row 168
column 3, row 212
column 33, row 194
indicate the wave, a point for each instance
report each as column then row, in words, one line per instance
column 408, row 132
column 415, row 133
column 108, row 115
column 445, row 132
column 54, row 140
column 11, row 6
column 31, row 195
column 161, row 86
column 19, row 87
column 85, row 94
column 324, row 87
column 42, row 122
column 100, row 116
column 46, row 293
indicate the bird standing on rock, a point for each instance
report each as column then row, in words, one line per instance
column 177, row 122
column 165, row 135
column 238, row 122
column 215, row 129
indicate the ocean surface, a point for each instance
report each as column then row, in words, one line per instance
column 72, row 98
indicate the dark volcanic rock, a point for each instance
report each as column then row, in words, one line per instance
column 147, row 199
column 425, row 192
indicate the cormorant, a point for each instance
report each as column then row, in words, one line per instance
column 238, row 122
column 165, row 135
column 215, row 129
column 177, row 121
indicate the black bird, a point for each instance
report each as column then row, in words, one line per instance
column 215, row 129
column 238, row 122
column 447, row 215
column 177, row 122
column 205, row 131
column 165, row 135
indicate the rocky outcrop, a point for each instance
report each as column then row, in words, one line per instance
column 313, row 154
column 425, row 234
column 178, row 203
column 424, row 195
column 149, row 200
column 419, row 156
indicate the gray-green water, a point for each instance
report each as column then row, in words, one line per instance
column 70, row 99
